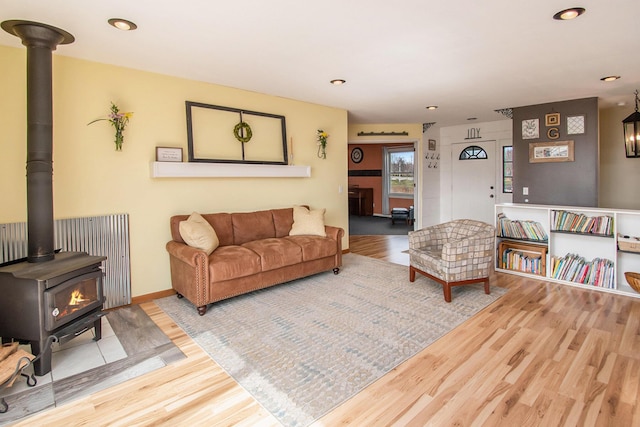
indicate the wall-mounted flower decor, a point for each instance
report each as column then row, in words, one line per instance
column 322, row 144
column 119, row 121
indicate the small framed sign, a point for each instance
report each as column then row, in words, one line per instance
column 168, row 154
column 552, row 119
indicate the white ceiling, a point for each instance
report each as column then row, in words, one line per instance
column 468, row 57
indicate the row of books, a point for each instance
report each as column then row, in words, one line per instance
column 574, row 268
column 527, row 262
column 581, row 223
column 520, row 229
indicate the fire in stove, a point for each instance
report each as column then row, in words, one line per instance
column 77, row 298
column 76, row 302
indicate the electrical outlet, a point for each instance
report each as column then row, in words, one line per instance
column 525, row 191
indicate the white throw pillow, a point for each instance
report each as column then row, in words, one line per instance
column 307, row 222
column 198, row 233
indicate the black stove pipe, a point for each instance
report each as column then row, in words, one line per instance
column 41, row 40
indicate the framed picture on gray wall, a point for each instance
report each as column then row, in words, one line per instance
column 575, row 125
column 530, row 129
column 553, row 151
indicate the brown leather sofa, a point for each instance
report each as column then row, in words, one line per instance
column 255, row 252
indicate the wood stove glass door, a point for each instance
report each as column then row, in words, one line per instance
column 73, row 298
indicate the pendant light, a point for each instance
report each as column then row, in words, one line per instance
column 631, row 127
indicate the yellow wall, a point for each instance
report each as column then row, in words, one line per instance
column 91, row 178
column 619, row 175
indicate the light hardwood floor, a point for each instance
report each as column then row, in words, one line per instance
column 542, row 355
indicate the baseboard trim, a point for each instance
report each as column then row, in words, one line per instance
column 150, row 297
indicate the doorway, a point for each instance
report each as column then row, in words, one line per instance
column 371, row 169
column 473, row 192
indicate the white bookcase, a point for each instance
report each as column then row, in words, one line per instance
column 589, row 246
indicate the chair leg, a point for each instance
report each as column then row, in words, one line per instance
column 447, row 292
column 486, row 287
column 412, row 274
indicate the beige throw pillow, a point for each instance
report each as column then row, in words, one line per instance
column 198, row 233
column 307, row 222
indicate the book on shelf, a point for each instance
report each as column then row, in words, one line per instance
column 581, row 223
column 520, row 229
column 522, row 260
column 574, row 268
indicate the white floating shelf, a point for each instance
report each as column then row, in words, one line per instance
column 226, row 170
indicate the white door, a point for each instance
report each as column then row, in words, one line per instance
column 474, row 180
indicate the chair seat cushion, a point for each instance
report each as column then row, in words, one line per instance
column 400, row 213
column 427, row 261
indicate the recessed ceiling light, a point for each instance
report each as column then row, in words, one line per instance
column 565, row 15
column 432, row 107
column 122, row 24
column 338, row 82
column 472, row 118
column 610, row 78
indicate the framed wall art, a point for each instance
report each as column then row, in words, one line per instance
column 530, row 129
column 575, row 125
column 168, row 154
column 219, row 134
column 432, row 145
column 552, row 119
column 556, row 151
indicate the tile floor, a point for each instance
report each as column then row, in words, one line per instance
column 76, row 356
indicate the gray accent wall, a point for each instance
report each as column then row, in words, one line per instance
column 557, row 183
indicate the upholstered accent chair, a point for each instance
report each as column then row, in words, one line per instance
column 457, row 252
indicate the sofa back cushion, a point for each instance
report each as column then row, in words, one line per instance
column 282, row 220
column 240, row 228
column 461, row 228
column 221, row 223
column 250, row 226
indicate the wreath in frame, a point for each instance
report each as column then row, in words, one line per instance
column 242, row 132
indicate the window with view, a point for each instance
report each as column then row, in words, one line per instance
column 400, row 172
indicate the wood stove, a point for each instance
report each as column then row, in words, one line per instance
column 49, row 296
column 56, row 300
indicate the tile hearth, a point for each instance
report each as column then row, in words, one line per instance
column 73, row 357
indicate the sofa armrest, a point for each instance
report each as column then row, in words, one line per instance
column 335, row 233
column 186, row 253
column 189, row 272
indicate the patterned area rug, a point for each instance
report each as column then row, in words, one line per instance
column 304, row 347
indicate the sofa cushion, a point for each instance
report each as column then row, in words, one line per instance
column 275, row 253
column 230, row 262
column 221, row 222
column 282, row 220
column 314, row 247
column 307, row 222
column 250, row 226
column 198, row 233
